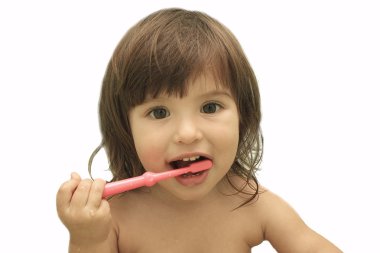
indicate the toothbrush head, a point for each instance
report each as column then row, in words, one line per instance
column 200, row 166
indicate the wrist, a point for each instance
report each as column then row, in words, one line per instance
column 83, row 246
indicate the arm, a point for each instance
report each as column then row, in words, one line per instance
column 286, row 231
column 86, row 215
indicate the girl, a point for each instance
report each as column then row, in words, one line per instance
column 179, row 89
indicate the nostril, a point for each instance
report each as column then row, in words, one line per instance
column 188, row 134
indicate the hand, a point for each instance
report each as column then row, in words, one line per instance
column 83, row 211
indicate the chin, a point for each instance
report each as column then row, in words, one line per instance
column 191, row 195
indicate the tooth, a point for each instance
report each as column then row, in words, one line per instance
column 194, row 158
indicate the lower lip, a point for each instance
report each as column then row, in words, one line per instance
column 192, row 180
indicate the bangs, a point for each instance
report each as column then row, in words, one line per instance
column 167, row 58
column 177, row 80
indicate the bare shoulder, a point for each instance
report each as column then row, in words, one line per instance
column 284, row 228
column 128, row 211
column 125, row 205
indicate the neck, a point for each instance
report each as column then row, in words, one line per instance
column 168, row 200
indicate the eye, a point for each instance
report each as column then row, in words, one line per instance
column 211, row 107
column 159, row 113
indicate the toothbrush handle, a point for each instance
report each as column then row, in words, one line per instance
column 150, row 178
column 124, row 185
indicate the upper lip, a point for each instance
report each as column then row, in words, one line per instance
column 187, row 155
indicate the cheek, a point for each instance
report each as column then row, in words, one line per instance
column 150, row 144
column 150, row 147
column 232, row 127
column 233, row 137
column 226, row 136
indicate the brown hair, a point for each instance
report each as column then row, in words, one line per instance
column 160, row 54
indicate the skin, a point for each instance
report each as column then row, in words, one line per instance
column 171, row 217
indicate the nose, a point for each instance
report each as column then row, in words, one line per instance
column 187, row 131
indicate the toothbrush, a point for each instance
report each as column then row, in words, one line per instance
column 150, row 178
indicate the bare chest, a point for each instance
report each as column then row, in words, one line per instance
column 207, row 232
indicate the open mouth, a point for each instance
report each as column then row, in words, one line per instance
column 185, row 162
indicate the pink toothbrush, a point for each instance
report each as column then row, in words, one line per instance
column 151, row 178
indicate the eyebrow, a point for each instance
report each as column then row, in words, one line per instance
column 217, row 93
column 212, row 93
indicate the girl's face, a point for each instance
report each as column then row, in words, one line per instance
column 170, row 132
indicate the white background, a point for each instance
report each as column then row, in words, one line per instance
column 317, row 63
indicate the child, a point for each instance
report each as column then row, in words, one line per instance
column 178, row 89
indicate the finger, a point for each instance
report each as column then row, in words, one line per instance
column 96, row 193
column 81, row 194
column 75, row 176
column 65, row 193
column 104, row 207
